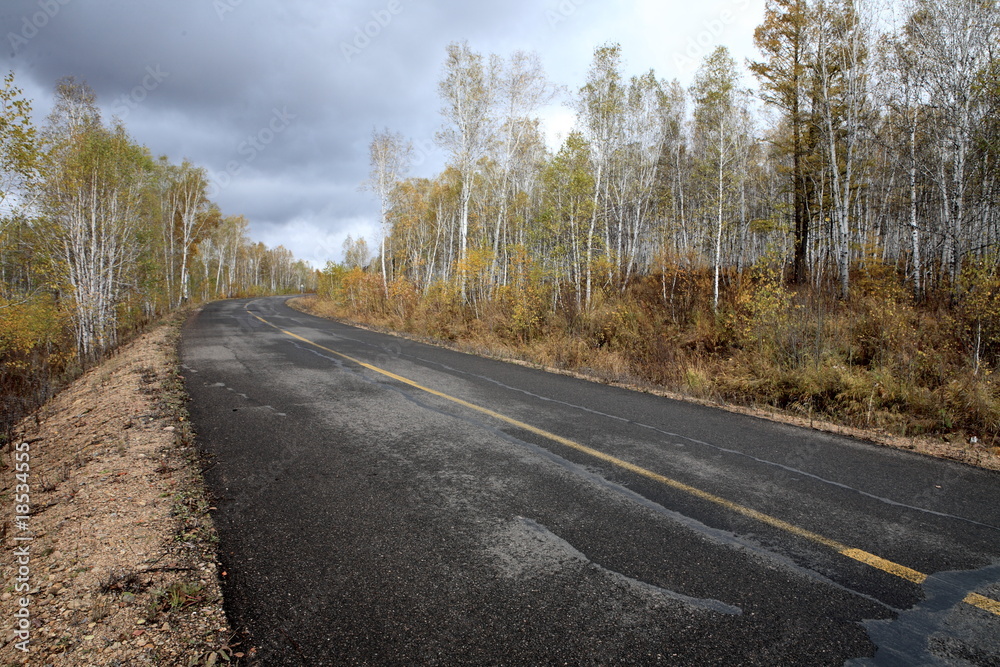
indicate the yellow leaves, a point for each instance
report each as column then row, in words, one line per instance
column 604, row 266
column 980, row 285
column 524, row 308
column 878, row 279
column 27, row 327
column 362, row 290
column 763, row 306
column 979, row 308
column 477, row 262
column 475, row 272
column 330, row 284
column 403, row 297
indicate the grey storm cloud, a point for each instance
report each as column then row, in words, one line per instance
column 278, row 100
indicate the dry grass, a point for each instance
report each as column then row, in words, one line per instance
column 880, row 365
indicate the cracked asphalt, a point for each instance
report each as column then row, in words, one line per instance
column 380, row 501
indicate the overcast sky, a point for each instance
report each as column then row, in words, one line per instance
column 278, row 100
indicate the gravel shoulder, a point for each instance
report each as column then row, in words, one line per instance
column 118, row 543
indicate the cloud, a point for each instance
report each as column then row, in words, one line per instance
column 224, row 68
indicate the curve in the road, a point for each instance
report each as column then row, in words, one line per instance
column 893, row 568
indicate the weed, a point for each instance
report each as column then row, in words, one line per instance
column 119, row 581
column 104, row 378
column 101, row 609
column 177, row 596
column 45, row 485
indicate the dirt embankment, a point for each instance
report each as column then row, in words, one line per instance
column 110, row 559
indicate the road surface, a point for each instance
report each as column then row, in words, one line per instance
column 382, row 501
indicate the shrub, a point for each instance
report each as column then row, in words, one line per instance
column 36, row 351
column 879, row 359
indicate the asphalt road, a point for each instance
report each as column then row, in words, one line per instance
column 386, row 502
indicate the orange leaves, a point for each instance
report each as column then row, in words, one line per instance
column 403, row 298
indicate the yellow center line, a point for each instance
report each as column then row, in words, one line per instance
column 983, row 602
column 859, row 555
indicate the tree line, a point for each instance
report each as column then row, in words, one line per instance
column 98, row 238
column 861, row 171
column 864, row 139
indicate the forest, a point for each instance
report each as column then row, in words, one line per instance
column 824, row 244
column 98, row 239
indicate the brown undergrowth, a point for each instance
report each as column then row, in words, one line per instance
column 880, row 365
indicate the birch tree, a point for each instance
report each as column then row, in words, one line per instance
column 20, row 152
column 841, row 62
column 521, row 90
column 189, row 206
column 391, row 155
column 955, row 40
column 20, row 173
column 467, row 92
column 600, row 106
column 718, row 105
column 902, row 94
column 568, row 191
column 93, row 196
column 356, row 253
column 647, row 127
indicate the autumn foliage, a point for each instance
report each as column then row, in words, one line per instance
column 835, row 257
column 97, row 239
column 880, row 360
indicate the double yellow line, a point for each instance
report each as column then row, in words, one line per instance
column 901, row 571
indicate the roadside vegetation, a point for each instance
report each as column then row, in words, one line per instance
column 98, row 239
column 827, row 246
column 879, row 361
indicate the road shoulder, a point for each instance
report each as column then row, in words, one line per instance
column 121, row 549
